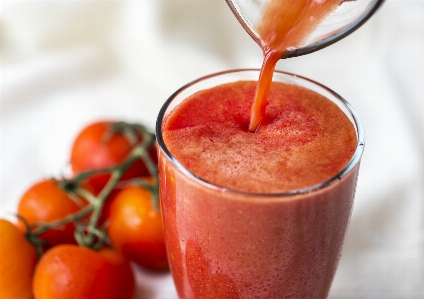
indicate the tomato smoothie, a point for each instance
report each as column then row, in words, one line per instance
column 256, row 215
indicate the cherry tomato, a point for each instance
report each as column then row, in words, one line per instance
column 104, row 144
column 73, row 272
column 44, row 202
column 135, row 228
column 17, row 261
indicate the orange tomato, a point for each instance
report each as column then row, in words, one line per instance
column 17, row 261
column 103, row 145
column 45, row 201
column 73, row 272
column 135, row 228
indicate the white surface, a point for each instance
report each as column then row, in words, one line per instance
column 67, row 63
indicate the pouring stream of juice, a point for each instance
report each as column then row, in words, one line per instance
column 284, row 24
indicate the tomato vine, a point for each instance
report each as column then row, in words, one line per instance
column 89, row 231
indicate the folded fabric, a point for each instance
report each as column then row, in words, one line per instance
column 65, row 64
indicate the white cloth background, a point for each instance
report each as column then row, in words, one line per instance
column 67, row 63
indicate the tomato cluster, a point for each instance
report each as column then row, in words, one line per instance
column 77, row 236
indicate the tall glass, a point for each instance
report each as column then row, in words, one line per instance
column 225, row 243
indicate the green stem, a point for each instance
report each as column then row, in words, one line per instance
column 45, row 226
column 116, row 174
column 90, row 197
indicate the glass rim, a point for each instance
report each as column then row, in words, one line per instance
column 343, row 172
column 370, row 10
column 335, row 37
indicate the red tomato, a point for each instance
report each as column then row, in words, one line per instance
column 103, row 144
column 45, row 202
column 135, row 228
column 73, row 272
column 17, row 262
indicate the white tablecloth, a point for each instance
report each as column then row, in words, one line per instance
column 67, row 63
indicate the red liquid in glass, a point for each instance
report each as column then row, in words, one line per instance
column 234, row 245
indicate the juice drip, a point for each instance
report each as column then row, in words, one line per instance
column 284, row 24
column 264, row 83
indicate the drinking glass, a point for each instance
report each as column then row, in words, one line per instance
column 225, row 243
